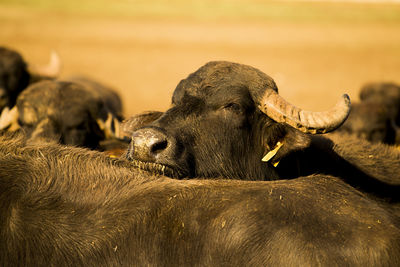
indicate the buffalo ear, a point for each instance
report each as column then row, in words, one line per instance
column 283, row 141
column 9, row 119
column 135, row 122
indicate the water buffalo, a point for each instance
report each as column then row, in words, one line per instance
column 74, row 113
column 228, row 120
column 68, row 206
column 371, row 121
column 16, row 75
column 386, row 93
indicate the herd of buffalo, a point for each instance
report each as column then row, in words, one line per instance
column 230, row 175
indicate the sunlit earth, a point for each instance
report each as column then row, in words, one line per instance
column 314, row 51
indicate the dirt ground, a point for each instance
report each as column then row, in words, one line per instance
column 144, row 59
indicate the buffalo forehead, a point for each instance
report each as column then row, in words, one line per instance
column 47, row 102
column 221, row 77
column 56, row 91
column 66, row 117
column 40, row 93
column 59, row 95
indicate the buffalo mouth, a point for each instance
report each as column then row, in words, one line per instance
column 157, row 168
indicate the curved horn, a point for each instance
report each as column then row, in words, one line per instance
column 278, row 109
column 52, row 69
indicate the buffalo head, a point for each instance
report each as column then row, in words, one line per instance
column 16, row 74
column 371, row 121
column 66, row 112
column 385, row 94
column 224, row 119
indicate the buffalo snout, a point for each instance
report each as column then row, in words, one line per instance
column 152, row 149
column 151, row 145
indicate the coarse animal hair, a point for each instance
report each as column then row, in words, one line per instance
column 67, row 206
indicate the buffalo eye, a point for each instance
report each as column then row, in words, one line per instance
column 233, row 107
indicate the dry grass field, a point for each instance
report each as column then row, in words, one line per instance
column 315, row 51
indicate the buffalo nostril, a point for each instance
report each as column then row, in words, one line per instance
column 159, row 146
column 148, row 144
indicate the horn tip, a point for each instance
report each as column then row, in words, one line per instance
column 346, row 99
column 55, row 59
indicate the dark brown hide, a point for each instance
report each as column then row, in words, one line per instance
column 65, row 206
column 14, row 76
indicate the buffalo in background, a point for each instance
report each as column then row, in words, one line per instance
column 75, row 111
column 370, row 121
column 80, row 113
column 376, row 117
column 384, row 93
column 16, row 75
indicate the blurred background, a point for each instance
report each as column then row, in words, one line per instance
column 315, row 50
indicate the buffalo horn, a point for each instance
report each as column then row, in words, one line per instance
column 9, row 119
column 278, row 109
column 51, row 69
